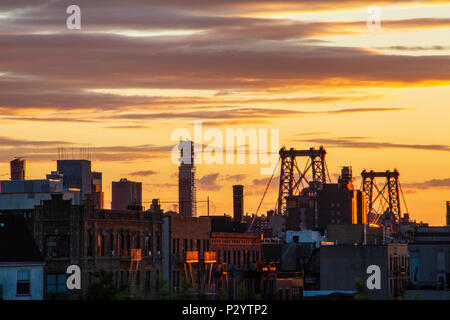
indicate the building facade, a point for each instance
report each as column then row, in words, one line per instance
column 430, row 259
column 97, row 240
column 187, row 246
column 342, row 265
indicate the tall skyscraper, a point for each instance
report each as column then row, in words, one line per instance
column 18, row 169
column 238, row 202
column 187, row 198
column 126, row 193
column 76, row 174
column 448, row 213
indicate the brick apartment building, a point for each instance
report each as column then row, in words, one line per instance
column 98, row 239
column 186, row 240
column 238, row 257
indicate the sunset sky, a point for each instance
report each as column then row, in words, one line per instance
column 140, row 69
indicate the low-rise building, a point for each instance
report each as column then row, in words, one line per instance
column 430, row 259
column 342, row 265
column 21, row 263
column 95, row 240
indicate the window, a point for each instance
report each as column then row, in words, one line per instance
column 23, row 282
column 89, row 245
column 57, row 246
column 56, row 284
column 147, row 282
column 128, row 242
column 296, row 293
column 147, row 245
column 158, row 242
column 100, row 245
column 157, row 279
column 111, row 242
column 122, row 242
column 137, row 241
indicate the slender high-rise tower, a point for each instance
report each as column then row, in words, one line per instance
column 186, row 180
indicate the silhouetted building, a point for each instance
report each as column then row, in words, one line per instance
column 187, row 197
column 238, row 202
column 126, row 193
column 333, row 203
column 76, row 174
column 18, row 169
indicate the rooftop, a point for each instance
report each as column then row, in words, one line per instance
column 16, row 242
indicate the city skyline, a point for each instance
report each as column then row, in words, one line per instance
column 133, row 74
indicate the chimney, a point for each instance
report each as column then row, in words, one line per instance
column 238, row 202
